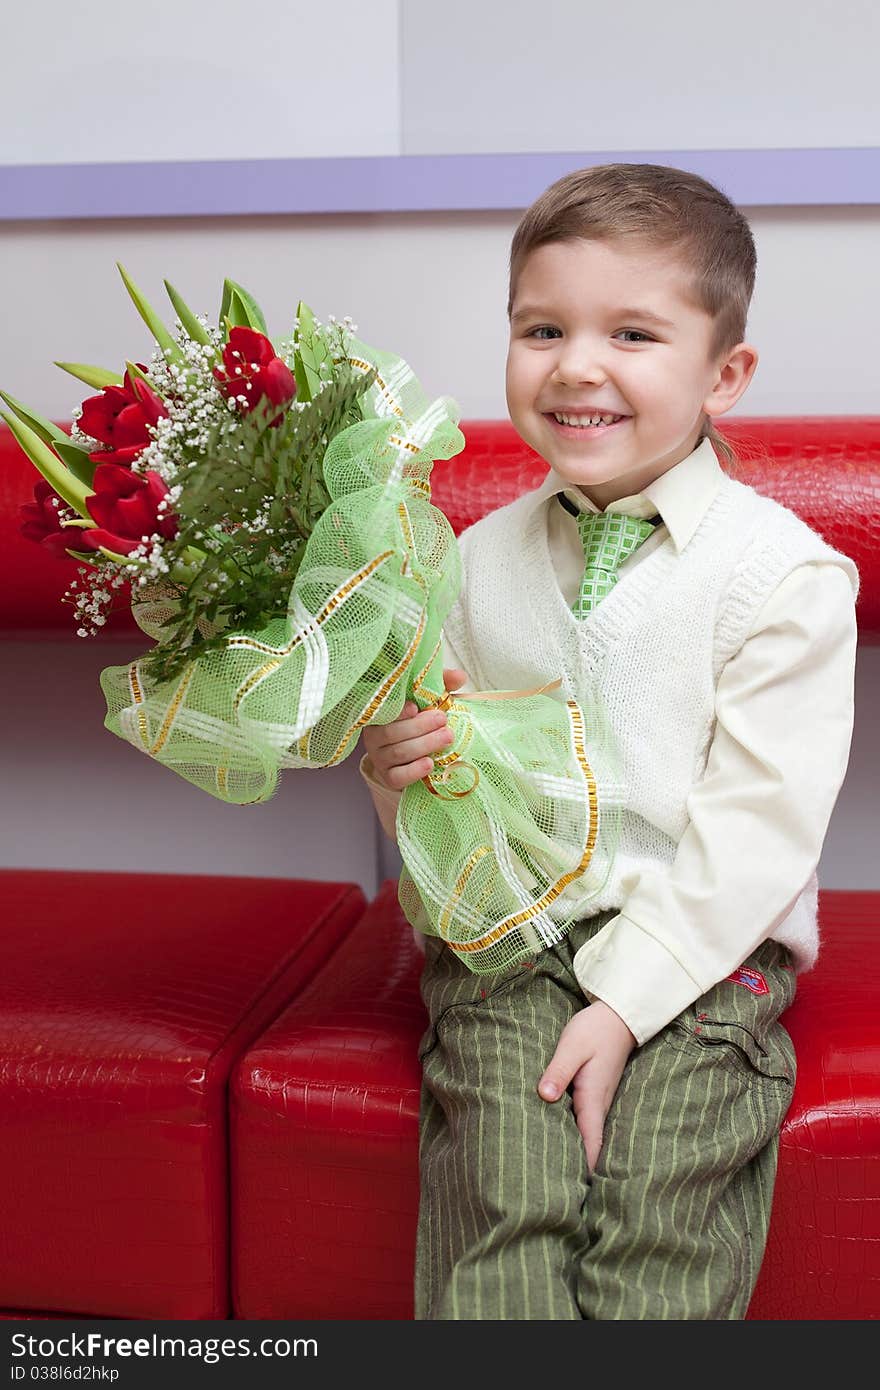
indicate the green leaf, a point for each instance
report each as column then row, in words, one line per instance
column 49, row 433
column 98, row 377
column 120, row 559
column 237, row 316
column 305, row 322
column 239, row 306
column 132, row 369
column 197, row 331
column 310, row 352
column 255, row 313
column 77, row 461
column 150, row 318
column 225, row 301
column 48, row 463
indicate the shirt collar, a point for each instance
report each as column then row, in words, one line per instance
column 682, row 495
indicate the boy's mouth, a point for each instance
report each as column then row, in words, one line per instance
column 584, row 424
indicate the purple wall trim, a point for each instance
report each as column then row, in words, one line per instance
column 409, row 183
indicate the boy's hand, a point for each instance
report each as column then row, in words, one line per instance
column 592, row 1052
column 400, row 751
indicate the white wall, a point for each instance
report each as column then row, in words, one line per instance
column 215, row 79
column 431, row 287
column 198, row 79
column 565, row 75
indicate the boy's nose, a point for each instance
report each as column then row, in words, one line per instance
column 579, row 365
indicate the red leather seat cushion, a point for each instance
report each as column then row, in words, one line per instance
column 823, row 1253
column 124, row 1002
column 325, row 1122
column 323, row 1125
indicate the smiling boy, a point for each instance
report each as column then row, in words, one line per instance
column 718, row 632
column 579, row 347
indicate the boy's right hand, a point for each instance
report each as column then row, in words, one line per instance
column 401, row 751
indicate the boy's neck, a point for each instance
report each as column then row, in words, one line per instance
column 604, row 495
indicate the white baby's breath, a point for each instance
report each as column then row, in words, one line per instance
column 201, row 422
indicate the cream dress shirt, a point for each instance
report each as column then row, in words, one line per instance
column 801, row 649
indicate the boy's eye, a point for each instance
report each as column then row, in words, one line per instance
column 544, row 329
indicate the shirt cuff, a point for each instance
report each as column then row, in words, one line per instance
column 385, row 799
column 635, row 975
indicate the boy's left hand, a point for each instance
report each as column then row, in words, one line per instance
column 592, row 1052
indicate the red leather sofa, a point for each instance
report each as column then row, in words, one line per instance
column 209, row 1099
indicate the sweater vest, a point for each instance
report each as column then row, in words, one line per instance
column 649, row 655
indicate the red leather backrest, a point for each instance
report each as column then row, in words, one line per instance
column 825, row 468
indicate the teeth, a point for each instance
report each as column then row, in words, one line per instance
column 583, row 420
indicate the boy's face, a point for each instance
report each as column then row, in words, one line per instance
column 579, row 345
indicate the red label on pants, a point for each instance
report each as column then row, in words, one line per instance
column 751, row 979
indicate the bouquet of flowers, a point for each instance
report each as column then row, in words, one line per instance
column 268, row 510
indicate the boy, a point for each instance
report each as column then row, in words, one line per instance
column 599, row 1127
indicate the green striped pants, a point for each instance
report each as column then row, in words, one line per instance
column 672, row 1223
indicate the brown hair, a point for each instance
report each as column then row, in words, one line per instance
column 660, row 207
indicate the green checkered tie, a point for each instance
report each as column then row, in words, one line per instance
column 608, row 539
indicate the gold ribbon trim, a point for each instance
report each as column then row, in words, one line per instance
column 450, row 763
column 510, row 923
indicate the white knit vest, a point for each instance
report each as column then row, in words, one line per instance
column 651, row 651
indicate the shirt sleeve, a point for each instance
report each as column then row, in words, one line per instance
column 757, row 818
column 386, row 799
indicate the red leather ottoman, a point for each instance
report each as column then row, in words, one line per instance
column 124, row 1002
column 323, row 1127
column 324, row 1116
column 823, row 1252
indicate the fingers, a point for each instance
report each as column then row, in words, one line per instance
column 589, row 1104
column 590, row 1057
column 556, row 1076
column 453, row 677
column 566, row 1060
column 402, row 752
column 590, row 1114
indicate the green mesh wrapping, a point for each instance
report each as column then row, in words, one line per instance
column 297, row 692
column 505, row 844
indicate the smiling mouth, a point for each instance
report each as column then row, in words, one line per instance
column 584, row 423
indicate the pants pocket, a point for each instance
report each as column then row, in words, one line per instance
column 449, row 989
column 739, row 1048
column 738, row 1019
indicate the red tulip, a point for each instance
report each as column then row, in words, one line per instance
column 252, row 369
column 120, row 417
column 126, row 507
column 41, row 522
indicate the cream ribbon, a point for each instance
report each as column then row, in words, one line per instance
column 451, row 762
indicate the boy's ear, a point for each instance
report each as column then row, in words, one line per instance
column 734, row 374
